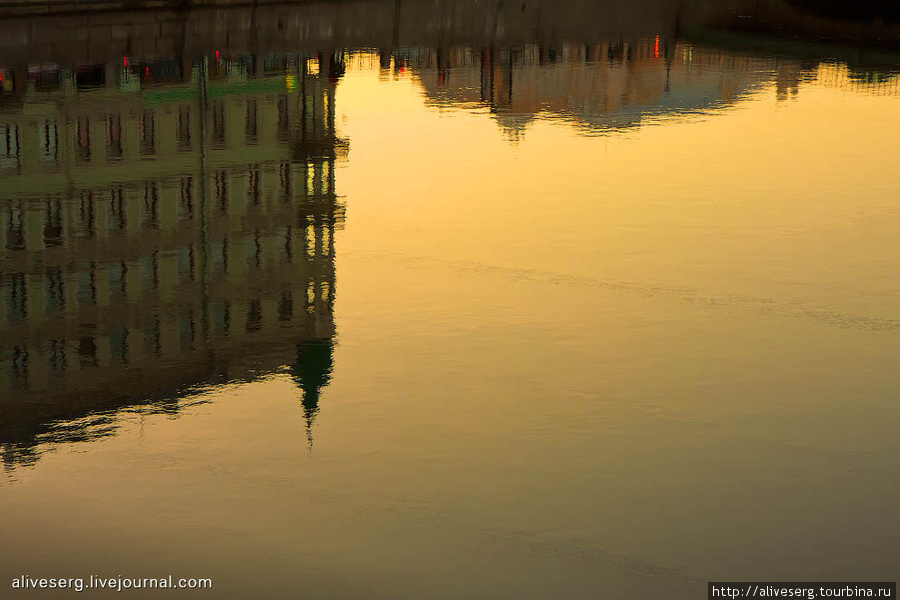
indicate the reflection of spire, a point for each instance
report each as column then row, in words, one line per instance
column 311, row 372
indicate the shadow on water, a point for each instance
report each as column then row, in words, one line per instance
column 167, row 224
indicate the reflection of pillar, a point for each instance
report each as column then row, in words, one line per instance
column 487, row 76
column 395, row 29
column 331, row 64
column 20, row 80
column 187, row 67
column 443, row 63
column 110, row 70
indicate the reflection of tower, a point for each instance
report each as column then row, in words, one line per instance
column 312, row 372
column 315, row 143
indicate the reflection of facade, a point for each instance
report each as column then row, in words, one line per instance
column 158, row 237
column 610, row 85
column 596, row 86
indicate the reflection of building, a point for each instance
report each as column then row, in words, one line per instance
column 609, row 86
column 597, row 87
column 158, row 237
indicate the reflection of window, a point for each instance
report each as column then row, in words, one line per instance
column 254, row 250
column 186, row 204
column 20, row 367
column 87, row 352
column 113, row 136
column 310, row 239
column 151, row 205
column 116, row 209
column 49, row 142
column 150, row 271
column 326, row 241
column 53, row 223
column 15, row 229
column 221, row 317
column 183, row 132
column 284, row 180
column 310, row 179
column 118, row 283
column 85, row 225
column 83, row 139
column 16, row 293
column 218, row 124
column 152, row 338
column 186, row 264
column 118, row 344
column 9, row 146
column 220, row 256
column 254, row 315
column 221, row 181
column 56, row 298
column 56, row 358
column 311, row 295
column 327, row 177
column 288, row 245
column 147, row 125
column 186, row 331
column 251, row 123
column 286, row 305
column 253, row 186
column 284, row 124
column 86, row 284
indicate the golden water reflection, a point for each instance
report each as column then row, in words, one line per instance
column 625, row 353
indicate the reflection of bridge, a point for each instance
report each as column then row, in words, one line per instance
column 161, row 239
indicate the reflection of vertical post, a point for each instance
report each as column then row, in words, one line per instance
column 330, row 112
column 110, row 70
column 20, row 80
column 442, row 64
column 395, row 30
column 204, row 198
column 509, row 80
column 183, row 53
column 487, row 76
column 384, row 58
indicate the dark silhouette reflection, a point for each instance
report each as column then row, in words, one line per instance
column 203, row 254
column 311, row 372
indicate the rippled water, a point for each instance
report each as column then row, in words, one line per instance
column 585, row 320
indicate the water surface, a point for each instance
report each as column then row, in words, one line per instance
column 589, row 320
